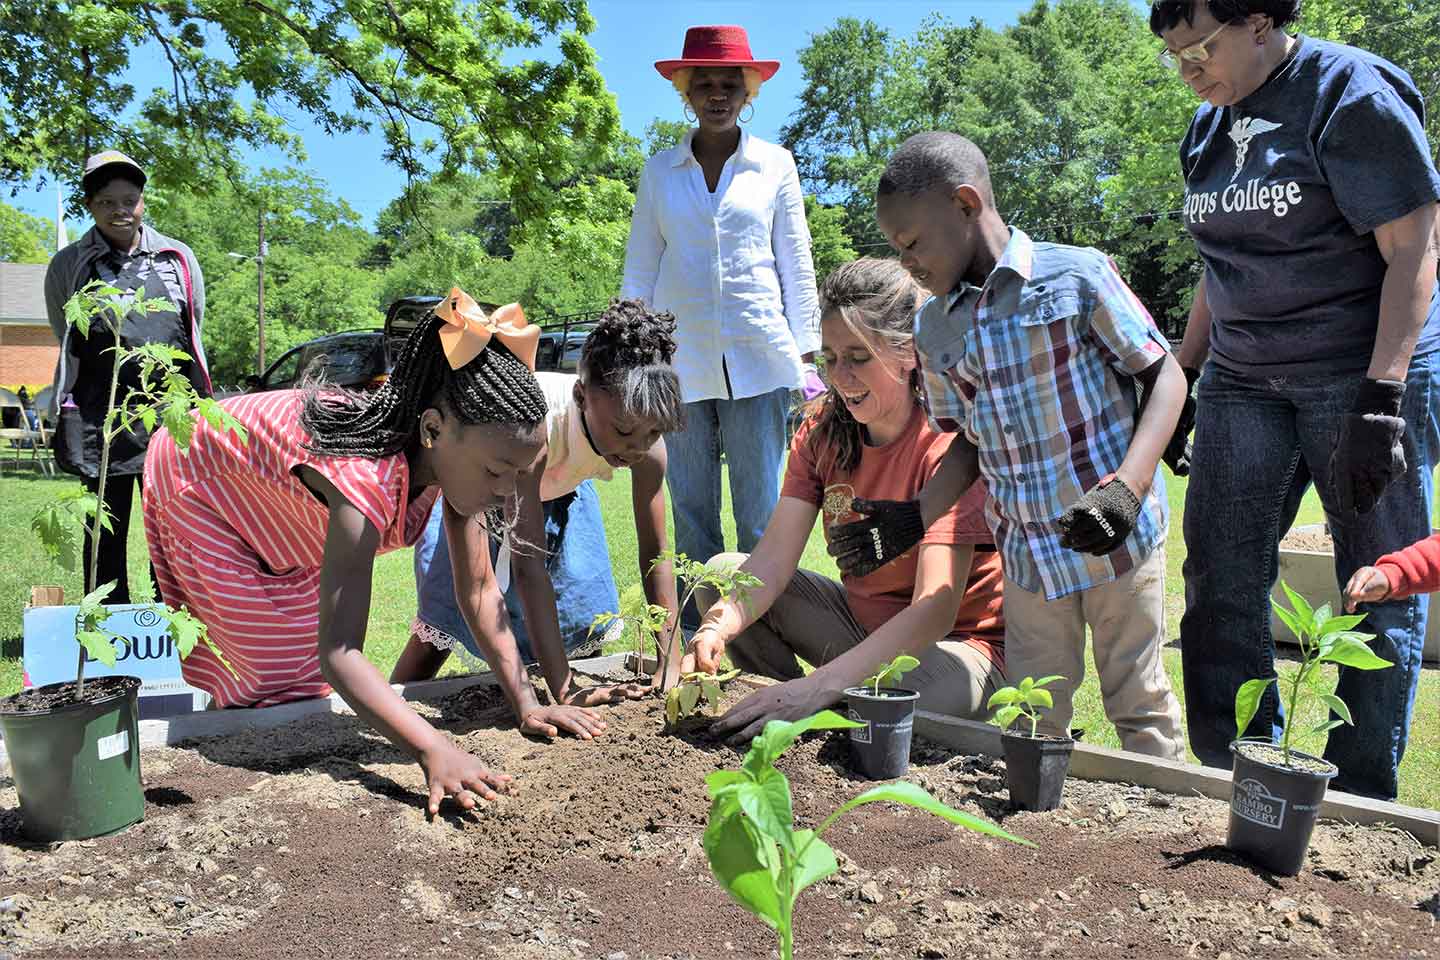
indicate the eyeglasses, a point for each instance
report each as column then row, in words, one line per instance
column 1197, row 52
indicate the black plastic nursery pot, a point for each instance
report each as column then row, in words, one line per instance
column 76, row 764
column 881, row 748
column 1035, row 769
column 1273, row 807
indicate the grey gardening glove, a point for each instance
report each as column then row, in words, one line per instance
column 1368, row 455
column 889, row 529
column 1100, row 520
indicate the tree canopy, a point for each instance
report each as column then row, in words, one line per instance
column 433, row 76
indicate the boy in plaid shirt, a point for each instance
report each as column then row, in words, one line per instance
column 1032, row 352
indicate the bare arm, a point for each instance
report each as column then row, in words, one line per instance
column 941, row 573
column 1409, row 246
column 1165, row 390
column 774, row 562
column 537, row 593
column 647, row 498
column 958, row 471
column 1195, row 346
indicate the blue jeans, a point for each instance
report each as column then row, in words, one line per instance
column 1258, row 445
column 577, row 558
column 751, row 433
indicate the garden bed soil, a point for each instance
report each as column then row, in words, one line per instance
column 310, row 840
column 1313, row 538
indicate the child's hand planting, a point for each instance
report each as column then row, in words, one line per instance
column 451, row 772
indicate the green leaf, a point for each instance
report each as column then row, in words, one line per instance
column 767, row 803
column 1027, row 685
column 744, row 864
column 907, row 793
column 1353, row 653
column 814, row 862
column 1006, row 716
column 1003, row 696
column 1338, row 706
column 99, row 645
column 1300, row 605
column 1325, row 727
column 672, row 706
column 1040, row 698
column 1046, row 681
column 1286, row 617
column 689, row 696
column 721, row 779
column 1247, row 702
column 711, row 689
column 777, row 736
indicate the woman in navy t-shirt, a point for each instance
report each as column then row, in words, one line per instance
column 1311, row 194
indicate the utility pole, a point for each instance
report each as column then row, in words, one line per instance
column 260, row 264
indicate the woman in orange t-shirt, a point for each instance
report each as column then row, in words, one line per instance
column 866, row 438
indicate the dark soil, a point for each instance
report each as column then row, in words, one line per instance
column 310, row 840
column 61, row 695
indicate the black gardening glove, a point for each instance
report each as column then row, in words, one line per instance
column 1101, row 520
column 889, row 529
column 1177, row 452
column 1368, row 455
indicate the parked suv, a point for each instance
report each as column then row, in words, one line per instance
column 362, row 359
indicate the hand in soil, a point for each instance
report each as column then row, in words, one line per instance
column 792, row 700
column 1367, row 585
column 706, row 649
column 601, row 696
column 451, row 772
column 548, row 722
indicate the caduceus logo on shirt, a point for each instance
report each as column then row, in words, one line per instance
column 1242, row 132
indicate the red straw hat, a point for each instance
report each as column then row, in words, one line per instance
column 717, row 46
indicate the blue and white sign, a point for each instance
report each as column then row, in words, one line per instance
column 143, row 649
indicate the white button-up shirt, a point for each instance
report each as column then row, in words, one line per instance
column 733, row 266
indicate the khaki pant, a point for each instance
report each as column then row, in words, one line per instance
column 812, row 621
column 1127, row 626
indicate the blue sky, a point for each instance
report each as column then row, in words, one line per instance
column 630, row 36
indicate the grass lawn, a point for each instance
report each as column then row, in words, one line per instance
column 393, row 605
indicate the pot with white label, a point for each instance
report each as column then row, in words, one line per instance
column 1273, row 806
column 76, row 763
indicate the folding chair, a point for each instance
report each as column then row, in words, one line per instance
column 21, row 438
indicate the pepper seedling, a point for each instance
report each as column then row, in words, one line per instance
column 1324, row 638
column 653, row 626
column 754, row 850
column 684, row 699
column 891, row 672
column 1026, row 699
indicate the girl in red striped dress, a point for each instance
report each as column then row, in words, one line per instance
column 271, row 540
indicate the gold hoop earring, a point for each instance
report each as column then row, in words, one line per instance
column 690, row 116
column 745, row 119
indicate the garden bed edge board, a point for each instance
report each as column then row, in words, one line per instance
column 219, row 723
column 1089, row 762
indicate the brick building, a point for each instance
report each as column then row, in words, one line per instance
column 28, row 349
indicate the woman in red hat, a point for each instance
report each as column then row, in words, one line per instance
column 719, row 239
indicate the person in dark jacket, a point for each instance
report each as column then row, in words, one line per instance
column 122, row 251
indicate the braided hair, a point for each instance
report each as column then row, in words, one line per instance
column 876, row 298
column 628, row 355
column 496, row 387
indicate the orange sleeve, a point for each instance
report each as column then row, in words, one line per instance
column 1416, row 569
column 802, row 479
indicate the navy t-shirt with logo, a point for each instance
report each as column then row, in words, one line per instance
column 1283, row 191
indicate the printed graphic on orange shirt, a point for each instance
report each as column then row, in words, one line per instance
column 838, row 497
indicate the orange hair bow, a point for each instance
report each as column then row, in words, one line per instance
column 468, row 329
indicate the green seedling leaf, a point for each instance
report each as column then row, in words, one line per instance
column 711, row 690
column 1026, row 686
column 724, row 779
column 1299, row 604
column 1046, row 681
column 1289, row 619
column 814, row 863
column 1351, row 652
column 672, row 707
column 913, row 796
column 743, row 863
column 1326, row 727
column 1003, row 697
column 99, row 645
column 1338, row 706
column 767, row 803
column 1342, row 624
column 689, row 697
column 778, row 735
column 1006, row 716
column 1040, row 698
column 892, row 672
column 1247, row 703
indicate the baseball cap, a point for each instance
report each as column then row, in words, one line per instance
column 103, row 160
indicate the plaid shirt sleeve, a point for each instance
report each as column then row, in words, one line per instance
column 944, row 405
column 1121, row 326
